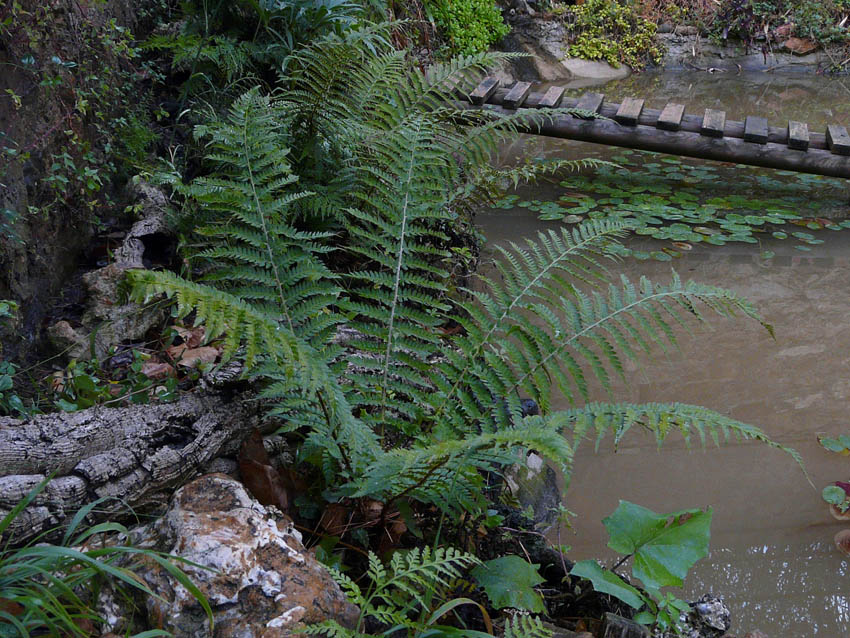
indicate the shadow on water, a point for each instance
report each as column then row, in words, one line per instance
column 772, row 553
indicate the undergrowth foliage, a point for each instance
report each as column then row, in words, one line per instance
column 360, row 153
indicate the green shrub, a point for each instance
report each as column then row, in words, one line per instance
column 748, row 20
column 469, row 26
column 612, row 31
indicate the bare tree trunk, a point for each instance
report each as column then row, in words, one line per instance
column 136, row 454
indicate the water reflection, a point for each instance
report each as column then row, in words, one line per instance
column 794, row 588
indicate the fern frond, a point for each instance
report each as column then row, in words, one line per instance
column 447, row 474
column 662, row 419
column 534, row 330
column 523, row 626
column 531, row 277
column 414, row 575
column 249, row 246
column 265, row 344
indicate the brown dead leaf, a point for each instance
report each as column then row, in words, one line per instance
column 57, row 381
column 194, row 356
column 192, row 337
column 153, row 369
column 391, row 536
column 800, row 46
column 258, row 476
column 784, row 31
column 336, row 519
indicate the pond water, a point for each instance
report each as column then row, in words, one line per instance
column 772, row 554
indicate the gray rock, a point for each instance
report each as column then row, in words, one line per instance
column 546, row 43
column 689, row 52
column 685, row 29
column 708, row 617
column 594, row 69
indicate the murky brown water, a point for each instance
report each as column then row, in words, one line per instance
column 772, row 554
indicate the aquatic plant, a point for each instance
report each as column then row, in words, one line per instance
column 684, row 202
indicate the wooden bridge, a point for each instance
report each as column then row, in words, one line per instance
column 670, row 130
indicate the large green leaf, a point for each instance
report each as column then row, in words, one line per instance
column 665, row 546
column 608, row 582
column 509, row 582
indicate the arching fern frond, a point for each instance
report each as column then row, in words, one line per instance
column 597, row 420
column 265, row 343
column 533, row 329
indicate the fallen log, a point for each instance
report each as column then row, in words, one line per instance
column 722, row 149
column 138, row 455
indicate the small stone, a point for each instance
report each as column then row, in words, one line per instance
column 708, row 617
column 665, row 27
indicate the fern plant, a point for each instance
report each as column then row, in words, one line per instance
column 408, row 585
column 394, row 161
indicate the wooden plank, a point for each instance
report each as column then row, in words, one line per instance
column 629, row 111
column 552, row 97
column 590, row 102
column 670, row 118
column 838, row 140
column 713, row 123
column 517, row 95
column 798, row 135
column 484, row 90
column 755, row 129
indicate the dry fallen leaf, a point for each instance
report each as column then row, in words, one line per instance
column 258, row 476
column 153, row 369
column 192, row 337
column 336, row 519
column 192, row 357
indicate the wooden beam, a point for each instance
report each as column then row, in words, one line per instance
column 590, row 102
column 838, row 140
column 798, row 135
column 629, row 111
column 713, row 123
column 484, row 91
column 726, row 149
column 755, row 129
column 552, row 97
column 670, row 119
column 516, row 96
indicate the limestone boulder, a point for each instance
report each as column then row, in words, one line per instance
column 256, row 574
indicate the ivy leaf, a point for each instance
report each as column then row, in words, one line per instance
column 664, row 549
column 607, row 582
column 509, row 582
